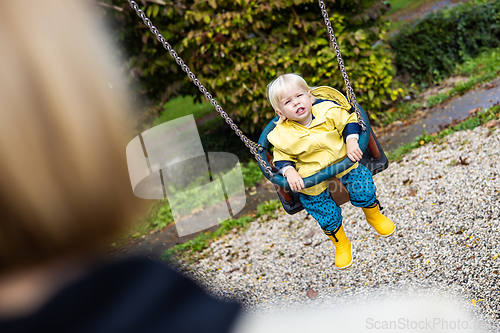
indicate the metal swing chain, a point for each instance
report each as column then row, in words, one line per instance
column 253, row 146
column 350, row 92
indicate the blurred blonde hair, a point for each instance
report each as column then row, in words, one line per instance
column 64, row 185
column 280, row 86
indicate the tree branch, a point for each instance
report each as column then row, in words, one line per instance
column 120, row 9
column 160, row 2
column 301, row 24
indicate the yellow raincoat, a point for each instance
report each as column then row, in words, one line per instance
column 315, row 147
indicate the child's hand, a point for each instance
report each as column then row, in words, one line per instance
column 294, row 179
column 353, row 151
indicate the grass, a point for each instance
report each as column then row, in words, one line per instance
column 159, row 215
column 481, row 69
column 268, row 208
column 203, row 240
column 251, row 174
column 403, row 5
column 181, row 106
column 470, row 123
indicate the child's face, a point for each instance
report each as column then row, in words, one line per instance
column 296, row 105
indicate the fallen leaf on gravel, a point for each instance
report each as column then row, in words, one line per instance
column 464, row 161
column 474, row 110
column 474, row 301
column 492, row 123
column 308, row 243
column 415, row 256
column 233, row 270
column 312, row 293
column 309, row 235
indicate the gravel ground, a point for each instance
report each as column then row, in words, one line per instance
column 445, row 202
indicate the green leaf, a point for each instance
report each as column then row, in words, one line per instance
column 250, row 43
column 156, row 10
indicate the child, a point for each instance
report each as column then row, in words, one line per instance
column 310, row 135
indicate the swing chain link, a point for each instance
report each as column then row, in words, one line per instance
column 254, row 147
column 350, row 92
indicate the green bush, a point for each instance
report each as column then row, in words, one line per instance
column 164, row 216
column 251, row 173
column 182, row 106
column 223, row 138
column 430, row 49
column 268, row 208
column 236, row 47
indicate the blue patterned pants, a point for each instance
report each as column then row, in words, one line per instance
column 362, row 191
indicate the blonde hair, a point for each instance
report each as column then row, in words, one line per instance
column 280, row 86
column 64, row 184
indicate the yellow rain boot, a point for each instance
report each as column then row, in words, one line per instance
column 343, row 249
column 379, row 222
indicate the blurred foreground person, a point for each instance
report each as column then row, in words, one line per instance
column 65, row 191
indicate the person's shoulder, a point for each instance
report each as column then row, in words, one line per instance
column 274, row 136
column 330, row 109
column 143, row 294
column 326, row 108
column 281, row 130
column 324, row 103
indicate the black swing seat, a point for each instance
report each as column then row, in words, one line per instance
column 373, row 158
